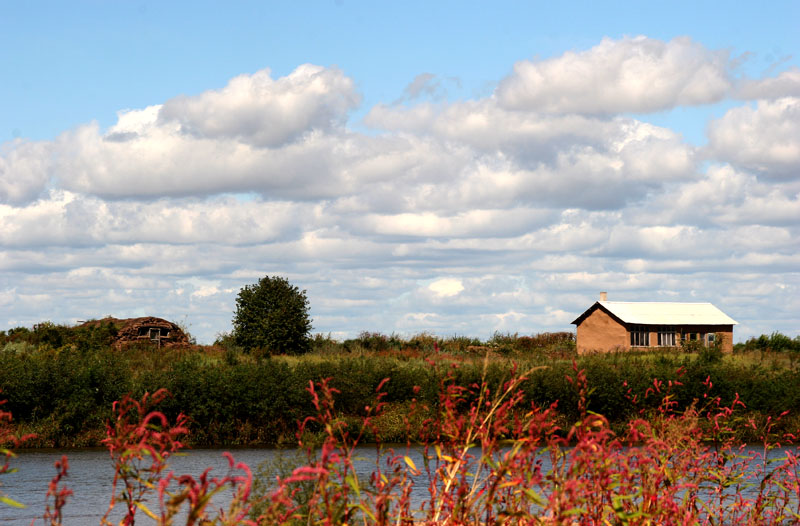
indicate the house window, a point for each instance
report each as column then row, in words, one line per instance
column 711, row 338
column 640, row 336
column 691, row 336
column 666, row 336
column 155, row 334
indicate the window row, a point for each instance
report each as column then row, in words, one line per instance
column 668, row 336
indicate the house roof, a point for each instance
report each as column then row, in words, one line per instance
column 661, row 313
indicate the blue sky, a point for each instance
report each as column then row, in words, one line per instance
column 451, row 167
column 68, row 63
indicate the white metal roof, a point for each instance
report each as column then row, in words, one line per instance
column 667, row 313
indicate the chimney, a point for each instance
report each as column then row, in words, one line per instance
column 604, row 296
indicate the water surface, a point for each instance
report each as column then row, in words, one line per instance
column 91, row 475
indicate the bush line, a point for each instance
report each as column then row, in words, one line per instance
column 64, row 394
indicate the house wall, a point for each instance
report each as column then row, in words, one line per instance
column 726, row 333
column 599, row 332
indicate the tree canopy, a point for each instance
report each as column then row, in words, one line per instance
column 272, row 315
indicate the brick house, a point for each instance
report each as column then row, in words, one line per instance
column 623, row 325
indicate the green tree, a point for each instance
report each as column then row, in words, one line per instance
column 272, row 315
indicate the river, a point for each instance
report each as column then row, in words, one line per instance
column 90, row 477
column 91, row 474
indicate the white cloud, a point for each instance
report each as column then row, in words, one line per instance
column 204, row 289
column 446, row 287
column 282, row 138
column 507, row 158
column 764, row 138
column 527, row 137
column 69, row 219
column 262, row 112
column 473, row 223
column 723, row 197
column 24, row 170
column 636, row 74
column 786, row 84
column 456, row 218
column 166, row 163
column 449, row 160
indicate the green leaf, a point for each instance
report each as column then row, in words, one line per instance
column 11, row 502
column 352, row 482
column 410, row 463
column 146, row 510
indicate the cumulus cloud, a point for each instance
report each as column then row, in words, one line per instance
column 722, row 197
column 166, row 163
column 68, row 219
column 446, row 287
column 468, row 224
column 507, row 212
column 259, row 111
column 488, row 127
column 786, row 84
column 514, row 158
column 636, row 75
column 24, row 170
column 282, row 138
column 445, row 158
column 764, row 138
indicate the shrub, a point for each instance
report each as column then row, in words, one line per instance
column 325, row 344
column 424, row 342
column 460, row 344
column 711, row 353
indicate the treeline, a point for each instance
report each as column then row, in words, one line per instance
column 775, row 342
column 555, row 344
column 64, row 393
column 48, row 334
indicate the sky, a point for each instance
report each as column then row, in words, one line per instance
column 454, row 168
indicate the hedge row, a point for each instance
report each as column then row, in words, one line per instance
column 65, row 394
